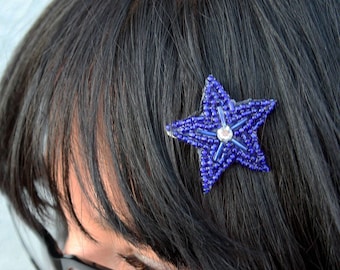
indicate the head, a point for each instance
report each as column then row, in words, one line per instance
column 83, row 109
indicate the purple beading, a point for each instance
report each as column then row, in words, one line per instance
column 225, row 132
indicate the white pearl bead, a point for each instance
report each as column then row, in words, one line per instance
column 225, row 134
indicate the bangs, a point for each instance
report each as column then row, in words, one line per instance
column 107, row 129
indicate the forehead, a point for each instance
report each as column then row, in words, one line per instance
column 91, row 179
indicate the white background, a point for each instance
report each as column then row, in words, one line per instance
column 16, row 16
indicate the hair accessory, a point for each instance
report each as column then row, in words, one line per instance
column 224, row 133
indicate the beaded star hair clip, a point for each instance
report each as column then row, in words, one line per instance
column 225, row 132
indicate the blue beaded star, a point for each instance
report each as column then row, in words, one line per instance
column 225, row 132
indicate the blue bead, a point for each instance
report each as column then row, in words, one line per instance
column 219, row 110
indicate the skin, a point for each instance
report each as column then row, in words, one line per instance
column 109, row 248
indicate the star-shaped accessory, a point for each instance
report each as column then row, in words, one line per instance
column 225, row 132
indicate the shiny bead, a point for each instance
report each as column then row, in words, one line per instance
column 225, row 134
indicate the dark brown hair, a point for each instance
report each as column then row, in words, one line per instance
column 121, row 70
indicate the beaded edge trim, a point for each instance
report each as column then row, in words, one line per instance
column 225, row 132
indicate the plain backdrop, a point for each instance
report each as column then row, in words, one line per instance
column 16, row 16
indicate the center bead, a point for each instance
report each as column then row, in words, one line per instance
column 224, row 134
